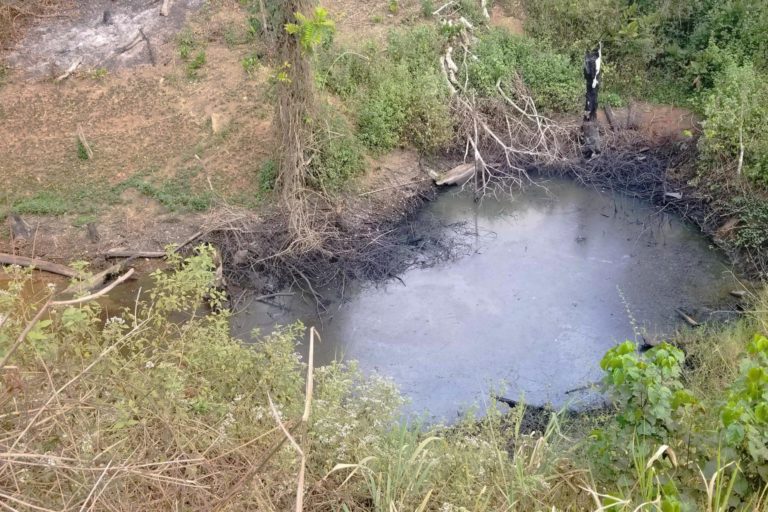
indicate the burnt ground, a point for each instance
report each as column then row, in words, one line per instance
column 94, row 32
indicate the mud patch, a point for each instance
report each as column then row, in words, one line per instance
column 96, row 32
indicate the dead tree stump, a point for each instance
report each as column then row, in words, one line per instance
column 590, row 128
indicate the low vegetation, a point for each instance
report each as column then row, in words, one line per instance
column 158, row 404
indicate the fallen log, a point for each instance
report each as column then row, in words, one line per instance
column 45, row 266
column 456, row 176
column 119, row 253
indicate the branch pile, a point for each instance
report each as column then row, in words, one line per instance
column 359, row 242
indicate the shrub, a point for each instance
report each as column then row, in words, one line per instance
column 338, row 153
column 735, row 118
column 398, row 97
column 552, row 79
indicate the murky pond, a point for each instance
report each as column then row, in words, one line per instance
column 553, row 279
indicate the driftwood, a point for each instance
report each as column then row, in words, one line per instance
column 688, row 319
column 739, row 293
column 70, row 70
column 166, row 8
column 131, row 255
column 46, row 266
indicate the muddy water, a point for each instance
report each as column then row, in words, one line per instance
column 554, row 279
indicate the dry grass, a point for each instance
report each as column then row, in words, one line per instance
column 15, row 14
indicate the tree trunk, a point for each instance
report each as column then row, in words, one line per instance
column 294, row 106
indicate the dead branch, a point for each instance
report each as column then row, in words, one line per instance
column 166, row 7
column 149, row 46
column 70, row 70
column 84, row 143
column 46, row 266
column 120, row 253
column 24, row 333
column 98, row 294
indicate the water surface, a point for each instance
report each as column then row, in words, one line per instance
column 554, row 279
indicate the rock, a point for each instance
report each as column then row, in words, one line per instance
column 217, row 122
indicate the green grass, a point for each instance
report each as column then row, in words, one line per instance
column 178, row 194
column 195, row 65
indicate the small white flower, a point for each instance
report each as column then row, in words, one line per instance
column 149, row 365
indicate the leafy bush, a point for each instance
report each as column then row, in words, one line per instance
column 753, row 214
column 745, row 413
column 338, row 156
column 399, row 97
column 553, row 80
column 736, row 115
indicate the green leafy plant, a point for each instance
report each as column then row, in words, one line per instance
column 82, row 151
column 195, row 65
column 744, row 415
column 736, row 115
column 427, row 8
column 312, row 31
column 648, row 387
column 250, row 64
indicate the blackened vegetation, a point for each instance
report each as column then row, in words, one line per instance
column 364, row 243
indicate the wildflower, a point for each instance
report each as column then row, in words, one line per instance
column 149, row 365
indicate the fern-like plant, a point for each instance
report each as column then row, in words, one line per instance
column 311, row 31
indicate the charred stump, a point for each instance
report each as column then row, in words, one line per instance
column 590, row 126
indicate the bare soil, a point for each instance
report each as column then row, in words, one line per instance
column 151, row 126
